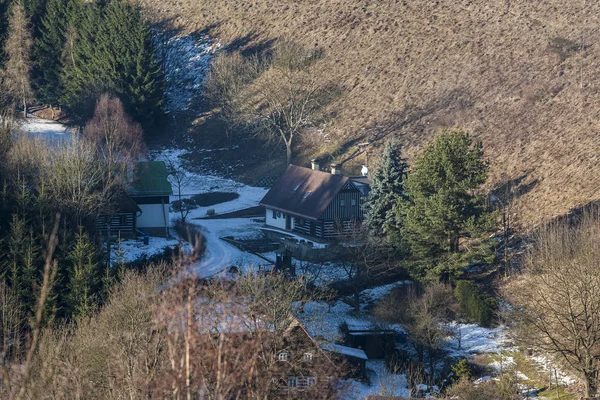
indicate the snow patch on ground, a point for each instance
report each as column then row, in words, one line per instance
column 383, row 383
column 186, row 61
column 51, row 131
column 133, row 249
column 476, row 339
column 547, row 365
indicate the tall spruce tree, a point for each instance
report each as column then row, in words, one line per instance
column 54, row 26
column 386, row 190
column 4, row 8
column 18, row 47
column 442, row 206
column 82, row 80
column 137, row 77
column 34, row 10
column 85, row 276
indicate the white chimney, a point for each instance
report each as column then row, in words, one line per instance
column 335, row 169
column 314, row 163
column 364, row 171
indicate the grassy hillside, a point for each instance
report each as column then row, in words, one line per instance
column 521, row 75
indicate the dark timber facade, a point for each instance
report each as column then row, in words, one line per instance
column 315, row 203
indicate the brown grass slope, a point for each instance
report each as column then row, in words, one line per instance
column 521, row 75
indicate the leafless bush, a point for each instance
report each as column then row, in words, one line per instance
column 504, row 389
column 424, row 315
column 557, row 298
column 117, row 138
column 163, row 336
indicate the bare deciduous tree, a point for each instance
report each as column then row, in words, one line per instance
column 18, row 47
column 557, row 297
column 117, row 137
column 279, row 96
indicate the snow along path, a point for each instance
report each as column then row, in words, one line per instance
column 219, row 255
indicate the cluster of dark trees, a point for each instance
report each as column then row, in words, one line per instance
column 428, row 212
column 76, row 182
column 69, row 52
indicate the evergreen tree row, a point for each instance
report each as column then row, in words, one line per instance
column 111, row 51
column 84, row 49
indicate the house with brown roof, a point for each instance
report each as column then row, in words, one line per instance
column 315, row 203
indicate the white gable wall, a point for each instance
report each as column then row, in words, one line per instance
column 153, row 216
column 278, row 221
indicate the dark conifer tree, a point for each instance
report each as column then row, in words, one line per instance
column 34, row 10
column 387, row 189
column 4, row 7
column 84, row 275
column 54, row 27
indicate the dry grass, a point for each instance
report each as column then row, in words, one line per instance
column 512, row 72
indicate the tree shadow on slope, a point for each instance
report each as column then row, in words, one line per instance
column 406, row 125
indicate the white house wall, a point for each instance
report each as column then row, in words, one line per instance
column 278, row 222
column 153, row 215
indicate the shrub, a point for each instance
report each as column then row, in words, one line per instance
column 475, row 304
column 397, row 361
column 462, row 369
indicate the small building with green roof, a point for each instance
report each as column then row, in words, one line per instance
column 150, row 190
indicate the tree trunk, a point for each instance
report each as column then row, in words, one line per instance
column 356, row 300
column 591, row 385
column 288, row 148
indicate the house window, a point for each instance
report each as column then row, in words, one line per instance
column 274, row 214
column 123, row 220
column 283, row 356
column 297, row 187
column 305, row 382
column 307, row 194
column 308, row 356
column 342, row 203
column 353, row 202
column 292, row 381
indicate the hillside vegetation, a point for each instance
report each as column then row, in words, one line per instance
column 520, row 75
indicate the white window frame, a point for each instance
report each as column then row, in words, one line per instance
column 308, row 356
column 283, row 356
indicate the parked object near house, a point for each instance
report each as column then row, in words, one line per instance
column 315, row 203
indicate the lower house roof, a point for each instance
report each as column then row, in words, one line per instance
column 304, row 192
column 347, row 351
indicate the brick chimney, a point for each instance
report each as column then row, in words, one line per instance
column 335, row 169
column 314, row 164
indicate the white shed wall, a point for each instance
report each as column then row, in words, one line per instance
column 153, row 215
